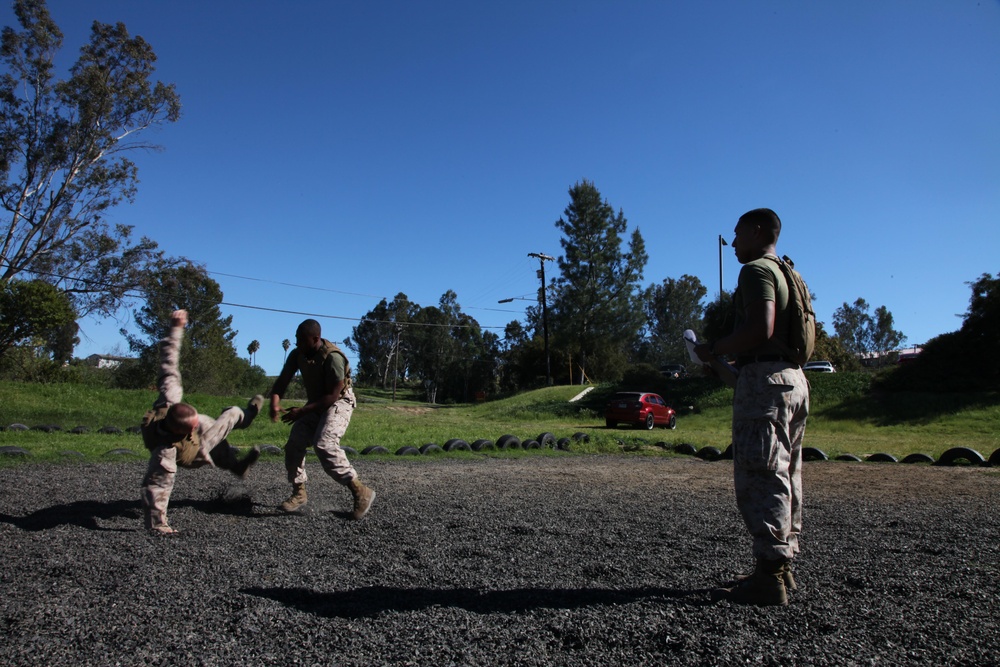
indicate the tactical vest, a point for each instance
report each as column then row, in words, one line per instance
column 312, row 371
column 154, row 435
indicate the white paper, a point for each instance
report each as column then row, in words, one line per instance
column 726, row 372
column 690, row 340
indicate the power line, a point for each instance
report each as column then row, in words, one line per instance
column 140, row 295
column 276, row 282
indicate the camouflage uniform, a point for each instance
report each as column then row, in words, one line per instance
column 770, row 407
column 324, row 431
column 205, row 447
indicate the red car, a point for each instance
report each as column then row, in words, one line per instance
column 641, row 409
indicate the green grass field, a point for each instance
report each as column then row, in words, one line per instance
column 846, row 418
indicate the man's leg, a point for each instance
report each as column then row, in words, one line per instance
column 332, row 427
column 156, row 488
column 797, row 430
column 213, row 433
column 766, row 398
column 299, row 439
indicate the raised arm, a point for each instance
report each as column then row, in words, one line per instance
column 169, row 379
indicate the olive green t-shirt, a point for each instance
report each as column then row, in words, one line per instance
column 762, row 280
column 322, row 381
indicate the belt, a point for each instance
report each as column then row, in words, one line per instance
column 746, row 360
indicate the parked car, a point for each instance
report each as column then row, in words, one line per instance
column 819, row 367
column 673, row 371
column 641, row 409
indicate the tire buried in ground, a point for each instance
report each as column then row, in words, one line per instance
column 917, row 458
column 814, row 454
column 994, row 458
column 407, row 451
column 430, row 448
column 457, row 444
column 481, row 444
column 848, row 457
column 508, row 441
column 709, row 453
column 581, row 437
column 374, row 449
column 686, row 448
column 531, row 444
column 881, row 457
column 563, row 444
column 546, row 439
column 9, row 450
column 956, row 454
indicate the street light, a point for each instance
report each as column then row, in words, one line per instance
column 722, row 242
column 542, row 258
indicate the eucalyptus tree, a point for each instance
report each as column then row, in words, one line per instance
column 64, row 157
column 380, row 343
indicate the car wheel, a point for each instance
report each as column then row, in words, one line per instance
column 673, row 422
column 650, row 422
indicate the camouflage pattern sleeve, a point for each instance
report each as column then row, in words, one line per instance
column 169, row 379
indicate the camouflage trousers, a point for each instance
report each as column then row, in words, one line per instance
column 323, row 432
column 215, row 451
column 770, row 407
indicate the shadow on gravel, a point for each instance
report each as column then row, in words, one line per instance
column 83, row 513
column 374, row 600
column 87, row 513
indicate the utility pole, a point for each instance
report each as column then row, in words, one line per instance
column 722, row 242
column 542, row 258
column 395, row 360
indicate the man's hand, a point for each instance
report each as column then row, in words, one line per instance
column 291, row 415
column 179, row 318
column 275, row 407
column 704, row 352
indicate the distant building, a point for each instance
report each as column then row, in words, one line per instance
column 105, row 360
column 903, row 356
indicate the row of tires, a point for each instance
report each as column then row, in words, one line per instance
column 54, row 428
column 952, row 456
column 546, row 440
column 506, row 442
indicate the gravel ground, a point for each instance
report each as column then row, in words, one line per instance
column 572, row 560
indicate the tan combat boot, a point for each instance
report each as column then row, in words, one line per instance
column 786, row 575
column 363, row 498
column 297, row 499
column 243, row 465
column 764, row 588
column 251, row 411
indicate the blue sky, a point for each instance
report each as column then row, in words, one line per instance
column 368, row 148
